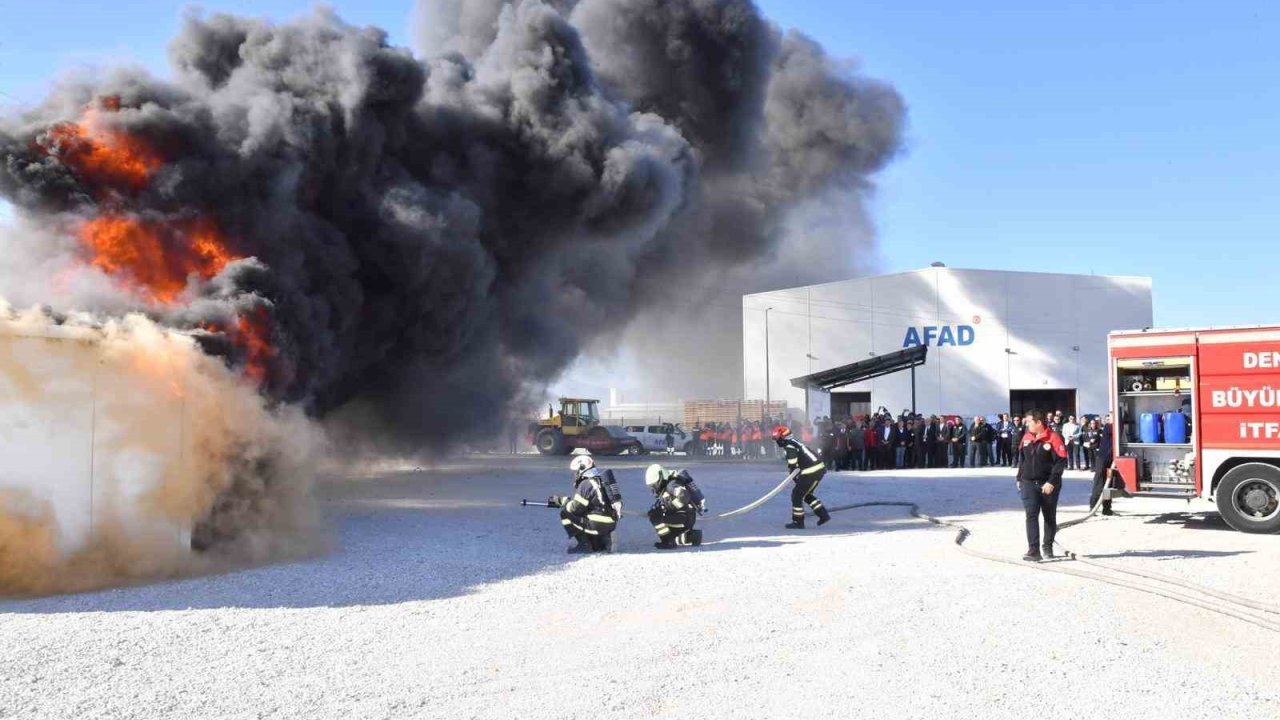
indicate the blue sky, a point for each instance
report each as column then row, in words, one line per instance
column 1115, row 138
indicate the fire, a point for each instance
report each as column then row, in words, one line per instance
column 153, row 257
column 253, row 339
column 104, row 158
column 156, row 258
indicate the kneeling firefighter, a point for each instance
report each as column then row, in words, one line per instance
column 679, row 503
column 591, row 514
column 811, row 472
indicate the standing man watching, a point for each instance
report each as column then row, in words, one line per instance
column 1004, row 441
column 1044, row 458
column 958, row 432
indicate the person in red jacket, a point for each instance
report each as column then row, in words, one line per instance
column 871, row 439
column 1044, row 457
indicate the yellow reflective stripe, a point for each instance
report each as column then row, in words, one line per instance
column 675, row 503
column 566, row 521
column 580, row 500
column 813, row 469
column 600, row 518
column 792, row 462
column 675, row 527
column 663, row 532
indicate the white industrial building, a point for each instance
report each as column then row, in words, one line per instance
column 997, row 340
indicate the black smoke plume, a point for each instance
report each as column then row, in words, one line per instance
column 428, row 241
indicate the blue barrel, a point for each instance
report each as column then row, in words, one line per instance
column 1149, row 428
column 1175, row 427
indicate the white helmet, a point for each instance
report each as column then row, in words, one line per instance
column 581, row 464
column 654, row 475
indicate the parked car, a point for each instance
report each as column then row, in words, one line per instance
column 653, row 438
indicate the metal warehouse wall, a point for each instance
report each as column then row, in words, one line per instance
column 1025, row 328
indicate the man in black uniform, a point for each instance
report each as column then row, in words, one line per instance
column 679, row 502
column 1016, row 432
column 1102, row 465
column 982, row 435
column 591, row 514
column 1044, row 458
column 921, row 443
column 958, row 434
column 811, row 470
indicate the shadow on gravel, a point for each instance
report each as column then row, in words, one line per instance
column 429, row 536
column 1171, row 554
column 1190, row 521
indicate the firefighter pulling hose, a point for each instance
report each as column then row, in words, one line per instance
column 811, row 471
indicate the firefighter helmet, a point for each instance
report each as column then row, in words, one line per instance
column 782, row 432
column 581, row 464
column 654, row 475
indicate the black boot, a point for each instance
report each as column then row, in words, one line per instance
column 824, row 517
column 1047, row 552
column 689, row 537
column 1032, row 555
column 580, row 548
column 796, row 523
column 664, row 545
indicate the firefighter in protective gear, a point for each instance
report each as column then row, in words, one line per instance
column 679, row 502
column 812, row 470
column 590, row 515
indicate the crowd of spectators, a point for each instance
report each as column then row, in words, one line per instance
column 881, row 441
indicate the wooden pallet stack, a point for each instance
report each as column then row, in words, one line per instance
column 730, row 411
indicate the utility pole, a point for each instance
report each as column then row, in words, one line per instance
column 767, row 397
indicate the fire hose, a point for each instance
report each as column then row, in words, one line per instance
column 1181, row 591
column 740, row 511
column 1233, row 606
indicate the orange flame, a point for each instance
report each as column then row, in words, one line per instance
column 101, row 156
column 150, row 256
column 156, row 258
column 253, row 339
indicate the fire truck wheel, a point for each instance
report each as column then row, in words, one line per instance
column 1249, row 498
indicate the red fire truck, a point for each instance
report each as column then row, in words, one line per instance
column 1197, row 415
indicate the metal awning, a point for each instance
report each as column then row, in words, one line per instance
column 864, row 370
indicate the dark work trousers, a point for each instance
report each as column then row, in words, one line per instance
column 803, row 494
column 984, row 455
column 1036, row 503
column 672, row 525
column 592, row 528
column 1100, row 482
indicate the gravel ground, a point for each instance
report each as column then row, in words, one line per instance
column 445, row 599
